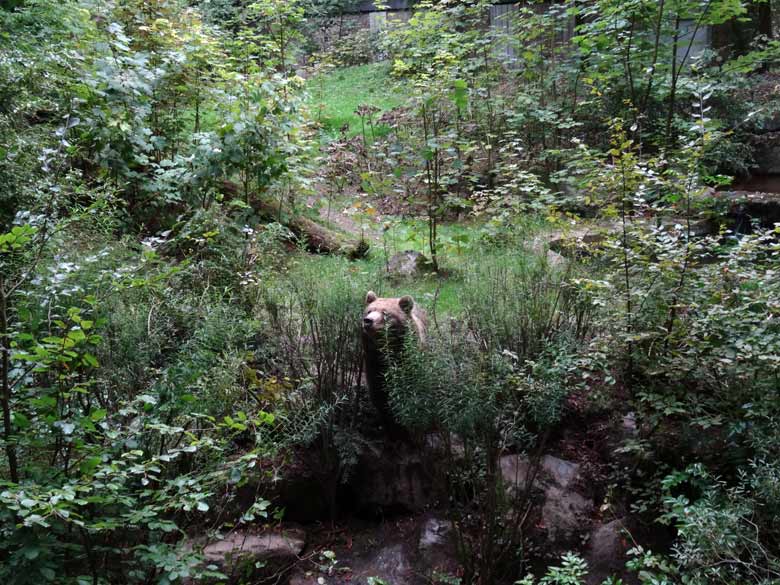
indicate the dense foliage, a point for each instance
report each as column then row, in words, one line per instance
column 166, row 339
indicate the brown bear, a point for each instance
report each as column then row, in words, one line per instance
column 386, row 323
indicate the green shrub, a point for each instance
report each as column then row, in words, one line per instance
column 494, row 382
column 127, row 397
column 315, row 314
column 359, row 47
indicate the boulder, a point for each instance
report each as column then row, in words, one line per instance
column 514, row 471
column 699, row 227
column 408, row 264
column 552, row 471
column 248, row 550
column 766, row 153
column 748, row 206
column 562, row 473
column 766, row 124
column 565, row 515
column 393, row 481
column 434, row 532
column 555, row 260
column 565, row 512
column 606, row 555
column 437, row 553
column 578, row 244
column 391, row 563
column 442, row 447
column 406, row 551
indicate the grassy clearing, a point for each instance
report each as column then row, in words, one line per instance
column 334, row 96
column 461, row 249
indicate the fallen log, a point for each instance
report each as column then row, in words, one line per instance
column 318, row 238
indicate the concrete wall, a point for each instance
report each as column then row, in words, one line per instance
column 502, row 17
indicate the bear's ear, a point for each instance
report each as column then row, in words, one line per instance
column 407, row 304
column 370, row 297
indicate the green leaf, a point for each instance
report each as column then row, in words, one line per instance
column 89, row 465
column 48, row 573
column 20, row 420
column 77, row 335
column 98, row 414
column 460, row 93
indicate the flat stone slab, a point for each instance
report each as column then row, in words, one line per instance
column 281, row 545
column 753, row 205
column 555, row 471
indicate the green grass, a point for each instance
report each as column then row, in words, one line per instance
column 460, row 248
column 335, row 96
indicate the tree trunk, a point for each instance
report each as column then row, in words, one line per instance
column 765, row 18
column 5, row 386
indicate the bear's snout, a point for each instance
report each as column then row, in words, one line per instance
column 371, row 320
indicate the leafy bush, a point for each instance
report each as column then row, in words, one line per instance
column 726, row 532
column 496, row 382
column 694, row 318
column 115, row 450
column 359, row 47
column 572, row 571
column 315, row 314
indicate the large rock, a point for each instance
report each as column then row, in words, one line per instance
column 407, row 551
column 434, row 533
column 766, row 153
column 391, row 482
column 245, row 551
column 699, row 227
column 552, row 471
column 606, row 555
column 408, row 264
column 565, row 515
column 565, row 512
column 555, row 260
column 562, row 473
column 748, row 206
column 437, row 553
column 578, row 244
column 515, row 471
column 391, row 563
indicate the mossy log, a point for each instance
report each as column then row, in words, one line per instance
column 318, row 238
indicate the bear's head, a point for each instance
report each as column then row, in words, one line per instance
column 381, row 314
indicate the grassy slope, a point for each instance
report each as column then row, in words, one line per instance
column 338, row 93
column 455, row 257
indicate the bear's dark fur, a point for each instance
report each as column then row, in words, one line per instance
column 386, row 323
